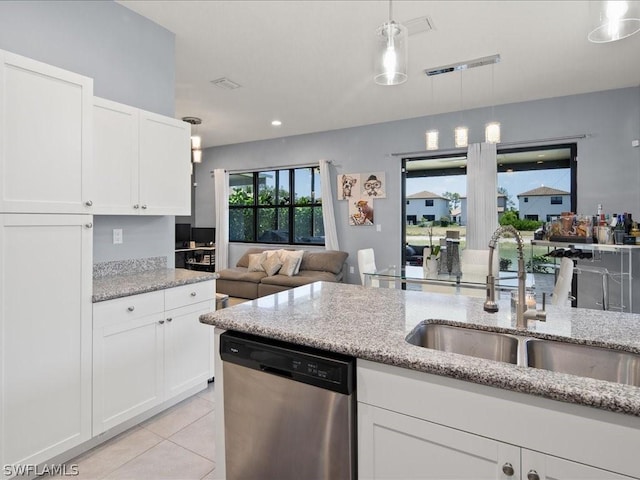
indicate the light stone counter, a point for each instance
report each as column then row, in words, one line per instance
column 371, row 324
column 123, row 285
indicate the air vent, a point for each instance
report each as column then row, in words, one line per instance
column 419, row 25
column 454, row 67
column 225, row 83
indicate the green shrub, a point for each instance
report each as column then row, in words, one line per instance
column 505, row 264
column 511, row 218
column 444, row 221
column 535, row 264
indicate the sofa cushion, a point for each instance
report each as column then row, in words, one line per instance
column 243, row 261
column 241, row 274
column 291, row 260
column 327, row 261
column 255, row 262
column 272, row 265
column 303, row 278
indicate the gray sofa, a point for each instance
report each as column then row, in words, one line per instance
column 320, row 265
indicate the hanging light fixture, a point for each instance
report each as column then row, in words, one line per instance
column 613, row 20
column 461, row 133
column 431, row 135
column 492, row 129
column 196, row 140
column 391, row 53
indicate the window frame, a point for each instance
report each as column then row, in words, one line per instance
column 290, row 205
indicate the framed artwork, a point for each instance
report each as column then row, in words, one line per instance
column 373, row 185
column 348, row 186
column 361, row 211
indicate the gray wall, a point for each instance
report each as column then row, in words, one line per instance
column 608, row 167
column 132, row 61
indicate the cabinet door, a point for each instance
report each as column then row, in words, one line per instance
column 45, row 138
column 538, row 466
column 115, row 163
column 187, row 348
column 45, row 335
column 395, row 446
column 127, row 369
column 165, row 165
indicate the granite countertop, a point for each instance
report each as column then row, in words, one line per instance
column 126, row 284
column 372, row 323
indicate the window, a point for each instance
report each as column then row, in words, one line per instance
column 276, row 206
column 531, row 217
column 428, row 203
column 412, row 219
column 556, row 200
column 408, row 202
column 526, row 199
column 429, row 218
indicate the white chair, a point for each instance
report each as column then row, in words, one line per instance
column 366, row 263
column 560, row 295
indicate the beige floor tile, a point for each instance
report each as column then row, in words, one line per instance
column 209, row 393
column 102, row 460
column 210, row 475
column 198, row 437
column 165, row 461
column 178, row 417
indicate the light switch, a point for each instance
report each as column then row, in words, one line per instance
column 378, row 227
column 117, row 236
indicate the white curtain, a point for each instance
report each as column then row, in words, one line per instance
column 482, row 195
column 221, row 184
column 328, row 213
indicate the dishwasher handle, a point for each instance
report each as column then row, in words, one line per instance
column 276, row 371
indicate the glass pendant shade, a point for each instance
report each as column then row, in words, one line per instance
column 613, row 20
column 492, row 132
column 196, row 142
column 391, row 54
column 461, row 137
column 432, row 139
column 196, row 156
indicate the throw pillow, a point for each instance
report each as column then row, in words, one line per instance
column 291, row 260
column 255, row 262
column 272, row 264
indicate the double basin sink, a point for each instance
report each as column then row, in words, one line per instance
column 575, row 359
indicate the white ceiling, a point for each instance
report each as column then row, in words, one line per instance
column 309, row 63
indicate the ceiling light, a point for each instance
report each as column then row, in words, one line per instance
column 492, row 132
column 461, row 137
column 391, row 54
column 613, row 20
column 225, row 83
column 432, row 139
column 276, row 123
column 196, row 140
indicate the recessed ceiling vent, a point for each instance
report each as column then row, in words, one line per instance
column 454, row 67
column 419, row 25
column 225, row 83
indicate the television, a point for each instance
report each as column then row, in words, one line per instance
column 203, row 236
column 183, row 234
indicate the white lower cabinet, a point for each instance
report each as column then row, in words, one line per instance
column 401, row 447
column 413, row 425
column 148, row 348
column 45, row 336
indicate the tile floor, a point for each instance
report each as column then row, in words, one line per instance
column 177, row 444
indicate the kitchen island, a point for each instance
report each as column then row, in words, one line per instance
column 558, row 416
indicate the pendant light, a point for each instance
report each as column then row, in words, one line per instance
column 461, row 133
column 613, row 20
column 492, row 129
column 391, row 53
column 196, row 140
column 431, row 135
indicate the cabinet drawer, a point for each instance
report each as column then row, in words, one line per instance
column 127, row 308
column 189, row 294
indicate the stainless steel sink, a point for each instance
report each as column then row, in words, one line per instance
column 465, row 341
column 584, row 361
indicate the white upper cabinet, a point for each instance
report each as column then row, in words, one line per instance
column 45, row 138
column 142, row 162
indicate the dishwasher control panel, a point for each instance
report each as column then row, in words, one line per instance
column 300, row 363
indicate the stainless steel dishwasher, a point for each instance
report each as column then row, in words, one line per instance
column 289, row 411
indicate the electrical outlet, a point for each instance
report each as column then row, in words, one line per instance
column 117, row 236
column 378, row 227
column 352, row 269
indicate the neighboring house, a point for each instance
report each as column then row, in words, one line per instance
column 462, row 217
column 542, row 203
column 427, row 206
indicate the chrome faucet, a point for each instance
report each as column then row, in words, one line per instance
column 490, row 305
